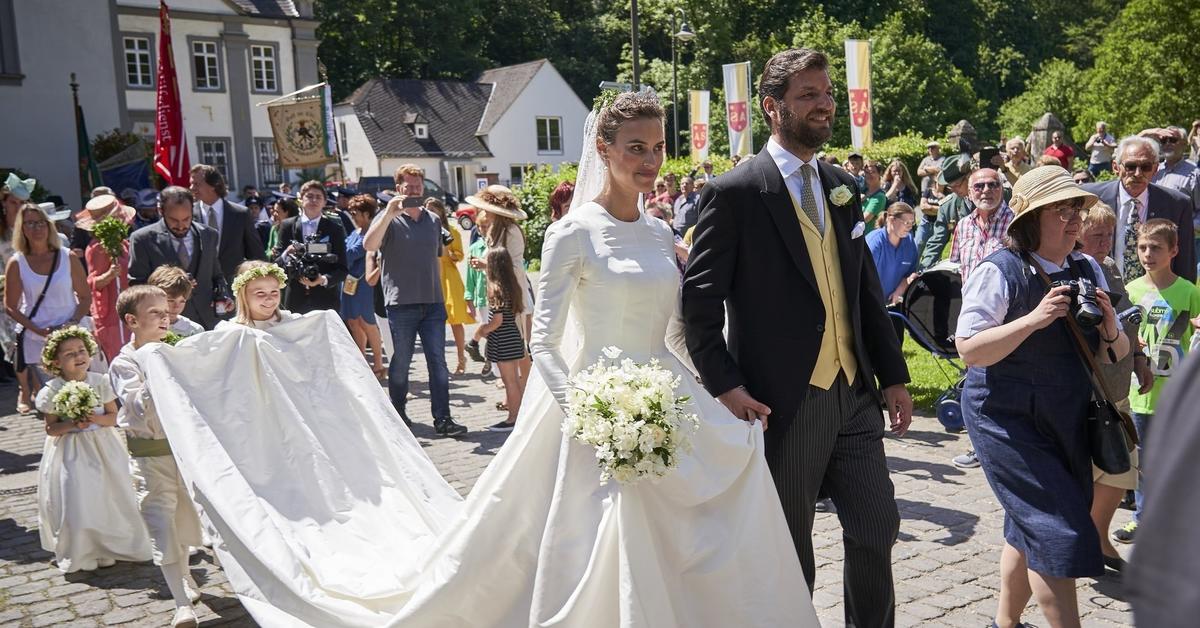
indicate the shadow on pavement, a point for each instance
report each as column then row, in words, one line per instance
column 959, row 526
column 20, row 544
column 934, row 471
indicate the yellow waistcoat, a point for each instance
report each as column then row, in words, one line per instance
column 837, row 343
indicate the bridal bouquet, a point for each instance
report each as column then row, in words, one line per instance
column 75, row 401
column 630, row 414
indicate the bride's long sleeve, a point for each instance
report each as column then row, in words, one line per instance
column 562, row 269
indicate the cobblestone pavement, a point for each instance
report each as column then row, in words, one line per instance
column 945, row 562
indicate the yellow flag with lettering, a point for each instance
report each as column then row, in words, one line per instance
column 737, row 108
column 699, row 116
column 858, row 82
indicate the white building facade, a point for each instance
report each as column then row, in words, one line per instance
column 229, row 55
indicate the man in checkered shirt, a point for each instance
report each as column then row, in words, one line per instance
column 981, row 232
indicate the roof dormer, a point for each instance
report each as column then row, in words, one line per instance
column 418, row 125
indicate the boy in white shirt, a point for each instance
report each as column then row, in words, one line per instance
column 178, row 286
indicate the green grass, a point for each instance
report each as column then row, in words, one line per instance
column 929, row 379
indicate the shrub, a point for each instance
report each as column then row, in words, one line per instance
column 909, row 148
column 534, row 194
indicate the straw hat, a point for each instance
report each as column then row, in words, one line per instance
column 99, row 207
column 498, row 191
column 1043, row 186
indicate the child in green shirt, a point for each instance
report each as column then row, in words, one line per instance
column 1170, row 303
column 476, row 297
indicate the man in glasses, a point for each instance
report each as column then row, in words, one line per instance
column 982, row 232
column 1136, row 199
column 1179, row 174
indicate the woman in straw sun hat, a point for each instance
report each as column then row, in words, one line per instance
column 504, row 212
column 1026, row 397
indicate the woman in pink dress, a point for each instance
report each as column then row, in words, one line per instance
column 107, row 278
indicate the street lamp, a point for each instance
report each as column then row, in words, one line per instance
column 682, row 32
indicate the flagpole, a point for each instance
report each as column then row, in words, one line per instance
column 84, row 192
column 295, row 93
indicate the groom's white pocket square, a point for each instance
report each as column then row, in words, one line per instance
column 858, row 230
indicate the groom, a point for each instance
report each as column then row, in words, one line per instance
column 780, row 245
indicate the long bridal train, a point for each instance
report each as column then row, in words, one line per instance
column 329, row 513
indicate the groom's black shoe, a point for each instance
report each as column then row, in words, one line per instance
column 447, row 427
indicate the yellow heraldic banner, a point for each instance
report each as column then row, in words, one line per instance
column 858, row 82
column 300, row 133
column 699, row 117
column 737, row 108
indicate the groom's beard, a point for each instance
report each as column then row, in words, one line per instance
column 797, row 130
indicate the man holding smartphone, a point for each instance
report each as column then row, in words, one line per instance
column 408, row 239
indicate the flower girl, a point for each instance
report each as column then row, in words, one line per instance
column 87, row 512
column 258, row 288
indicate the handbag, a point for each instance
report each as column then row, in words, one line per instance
column 1111, row 433
column 21, row 363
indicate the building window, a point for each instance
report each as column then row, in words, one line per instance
column 421, row 131
column 269, row 171
column 214, row 151
column 10, row 61
column 263, row 73
column 516, row 172
column 549, row 135
column 139, row 66
column 342, row 137
column 206, row 65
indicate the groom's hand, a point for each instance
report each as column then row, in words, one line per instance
column 899, row 406
column 745, row 407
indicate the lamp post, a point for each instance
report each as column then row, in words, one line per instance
column 633, row 29
column 682, row 32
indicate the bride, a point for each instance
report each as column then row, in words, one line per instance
column 331, row 514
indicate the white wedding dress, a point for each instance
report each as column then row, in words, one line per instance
column 330, row 514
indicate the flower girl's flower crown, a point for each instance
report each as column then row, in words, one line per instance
column 258, row 272
column 56, row 338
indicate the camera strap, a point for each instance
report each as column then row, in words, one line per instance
column 1098, row 384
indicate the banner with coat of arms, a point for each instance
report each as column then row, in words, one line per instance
column 858, row 82
column 301, row 131
column 699, row 117
column 737, row 107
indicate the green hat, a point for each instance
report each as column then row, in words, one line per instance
column 954, row 168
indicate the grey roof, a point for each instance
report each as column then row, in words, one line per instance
column 386, row 109
column 509, row 82
column 268, row 8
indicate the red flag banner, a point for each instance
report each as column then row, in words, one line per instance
column 170, row 143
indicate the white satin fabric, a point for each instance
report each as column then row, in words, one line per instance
column 330, row 514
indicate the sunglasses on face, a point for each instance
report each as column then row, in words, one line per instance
column 985, row 185
column 1138, row 166
column 1170, row 140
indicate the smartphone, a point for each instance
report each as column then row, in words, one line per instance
column 411, row 201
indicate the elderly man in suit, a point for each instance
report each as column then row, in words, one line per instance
column 176, row 240
column 233, row 223
column 1135, row 200
column 324, row 291
column 779, row 246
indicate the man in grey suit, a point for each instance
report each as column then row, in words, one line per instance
column 178, row 241
column 1135, row 200
column 233, row 223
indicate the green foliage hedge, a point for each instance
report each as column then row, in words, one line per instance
column 909, row 148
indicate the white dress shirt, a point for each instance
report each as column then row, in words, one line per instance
column 218, row 209
column 1122, row 211
column 985, row 296
column 189, row 243
column 789, row 165
column 308, row 226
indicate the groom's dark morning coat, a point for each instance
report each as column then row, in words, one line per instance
column 751, row 257
column 749, row 252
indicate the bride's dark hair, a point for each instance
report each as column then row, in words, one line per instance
column 625, row 107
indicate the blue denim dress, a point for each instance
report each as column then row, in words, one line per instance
column 1027, row 416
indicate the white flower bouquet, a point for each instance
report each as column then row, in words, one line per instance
column 75, row 401
column 629, row 412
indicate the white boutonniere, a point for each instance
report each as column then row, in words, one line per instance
column 841, row 195
column 858, row 230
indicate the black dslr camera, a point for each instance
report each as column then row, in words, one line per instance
column 447, row 237
column 1084, row 308
column 307, row 263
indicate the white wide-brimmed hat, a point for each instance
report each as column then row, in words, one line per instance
column 497, row 191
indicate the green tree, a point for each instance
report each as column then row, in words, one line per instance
column 1055, row 89
column 1144, row 75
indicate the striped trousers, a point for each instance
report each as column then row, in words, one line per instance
column 834, row 447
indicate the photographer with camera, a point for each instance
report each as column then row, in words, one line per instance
column 410, row 238
column 311, row 248
column 1028, row 395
